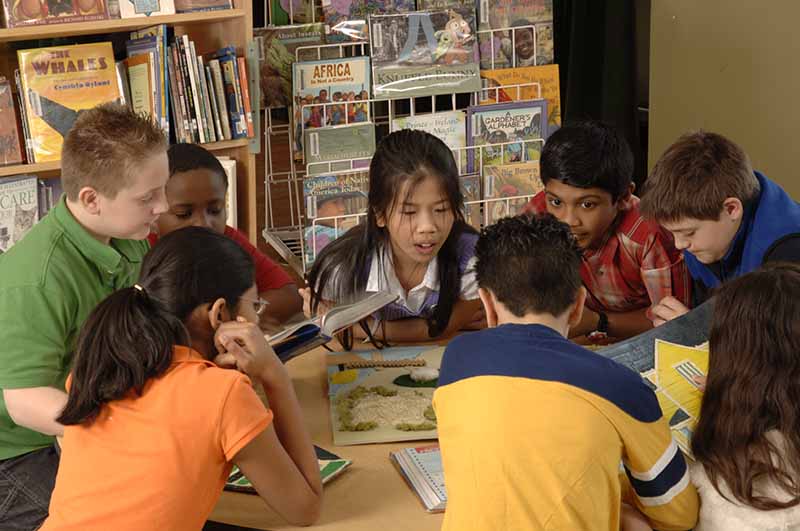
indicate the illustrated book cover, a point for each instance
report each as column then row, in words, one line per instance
column 278, row 45
column 347, row 19
column 471, row 190
column 190, row 6
column 19, row 209
column 330, row 92
column 423, row 53
column 506, row 132
column 10, row 135
column 422, row 470
column 57, row 83
column 379, row 396
column 18, row 13
column 284, row 12
column 547, row 87
column 511, row 186
column 306, row 335
column 145, row 8
column 333, row 204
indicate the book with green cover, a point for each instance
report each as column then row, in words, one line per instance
column 330, row 466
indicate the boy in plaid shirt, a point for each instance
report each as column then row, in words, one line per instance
column 629, row 264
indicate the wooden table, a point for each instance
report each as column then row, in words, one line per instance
column 370, row 496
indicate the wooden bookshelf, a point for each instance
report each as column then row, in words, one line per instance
column 210, row 31
column 51, row 169
column 113, row 26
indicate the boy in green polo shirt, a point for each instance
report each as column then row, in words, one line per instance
column 113, row 169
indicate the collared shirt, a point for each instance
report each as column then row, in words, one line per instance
column 533, row 427
column 159, row 460
column 382, row 277
column 635, row 266
column 49, row 283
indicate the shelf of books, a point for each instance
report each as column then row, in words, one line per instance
column 339, row 77
column 189, row 64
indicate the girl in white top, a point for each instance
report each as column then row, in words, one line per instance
column 414, row 242
column 747, row 441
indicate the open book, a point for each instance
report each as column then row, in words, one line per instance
column 422, row 469
column 302, row 337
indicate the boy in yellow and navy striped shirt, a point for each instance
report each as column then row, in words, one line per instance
column 532, row 427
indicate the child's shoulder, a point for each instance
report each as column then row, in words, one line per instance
column 31, row 259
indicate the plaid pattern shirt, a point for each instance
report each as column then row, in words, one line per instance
column 635, row 267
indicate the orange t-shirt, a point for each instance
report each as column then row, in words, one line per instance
column 158, row 461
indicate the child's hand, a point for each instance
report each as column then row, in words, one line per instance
column 668, row 309
column 700, row 381
column 242, row 344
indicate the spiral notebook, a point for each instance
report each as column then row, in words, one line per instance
column 421, row 467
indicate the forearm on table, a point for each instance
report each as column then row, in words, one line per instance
column 415, row 329
column 623, row 325
column 36, row 408
column 290, row 428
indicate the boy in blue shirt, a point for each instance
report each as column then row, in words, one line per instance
column 726, row 218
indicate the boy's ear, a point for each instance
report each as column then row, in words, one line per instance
column 733, row 208
column 218, row 313
column 576, row 312
column 88, row 198
column 489, row 306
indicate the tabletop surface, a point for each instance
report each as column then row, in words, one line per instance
column 370, row 495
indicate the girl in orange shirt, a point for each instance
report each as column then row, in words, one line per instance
column 153, row 426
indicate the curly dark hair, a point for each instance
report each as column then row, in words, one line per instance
column 530, row 263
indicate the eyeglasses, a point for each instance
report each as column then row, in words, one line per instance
column 259, row 304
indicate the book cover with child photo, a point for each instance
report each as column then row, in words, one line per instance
column 529, row 45
column 333, row 205
column 424, row 53
column 329, row 93
column 57, row 84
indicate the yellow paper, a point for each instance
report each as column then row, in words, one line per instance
column 678, row 395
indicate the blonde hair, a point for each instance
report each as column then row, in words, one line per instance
column 104, row 146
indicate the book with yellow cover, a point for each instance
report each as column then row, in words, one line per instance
column 674, row 381
column 59, row 82
column 545, row 75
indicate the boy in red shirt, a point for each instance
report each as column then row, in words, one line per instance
column 196, row 194
column 629, row 264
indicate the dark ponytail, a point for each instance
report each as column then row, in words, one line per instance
column 129, row 337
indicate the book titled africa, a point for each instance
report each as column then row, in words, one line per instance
column 57, row 84
column 331, row 92
column 423, row 53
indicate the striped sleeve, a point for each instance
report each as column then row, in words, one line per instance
column 658, row 475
